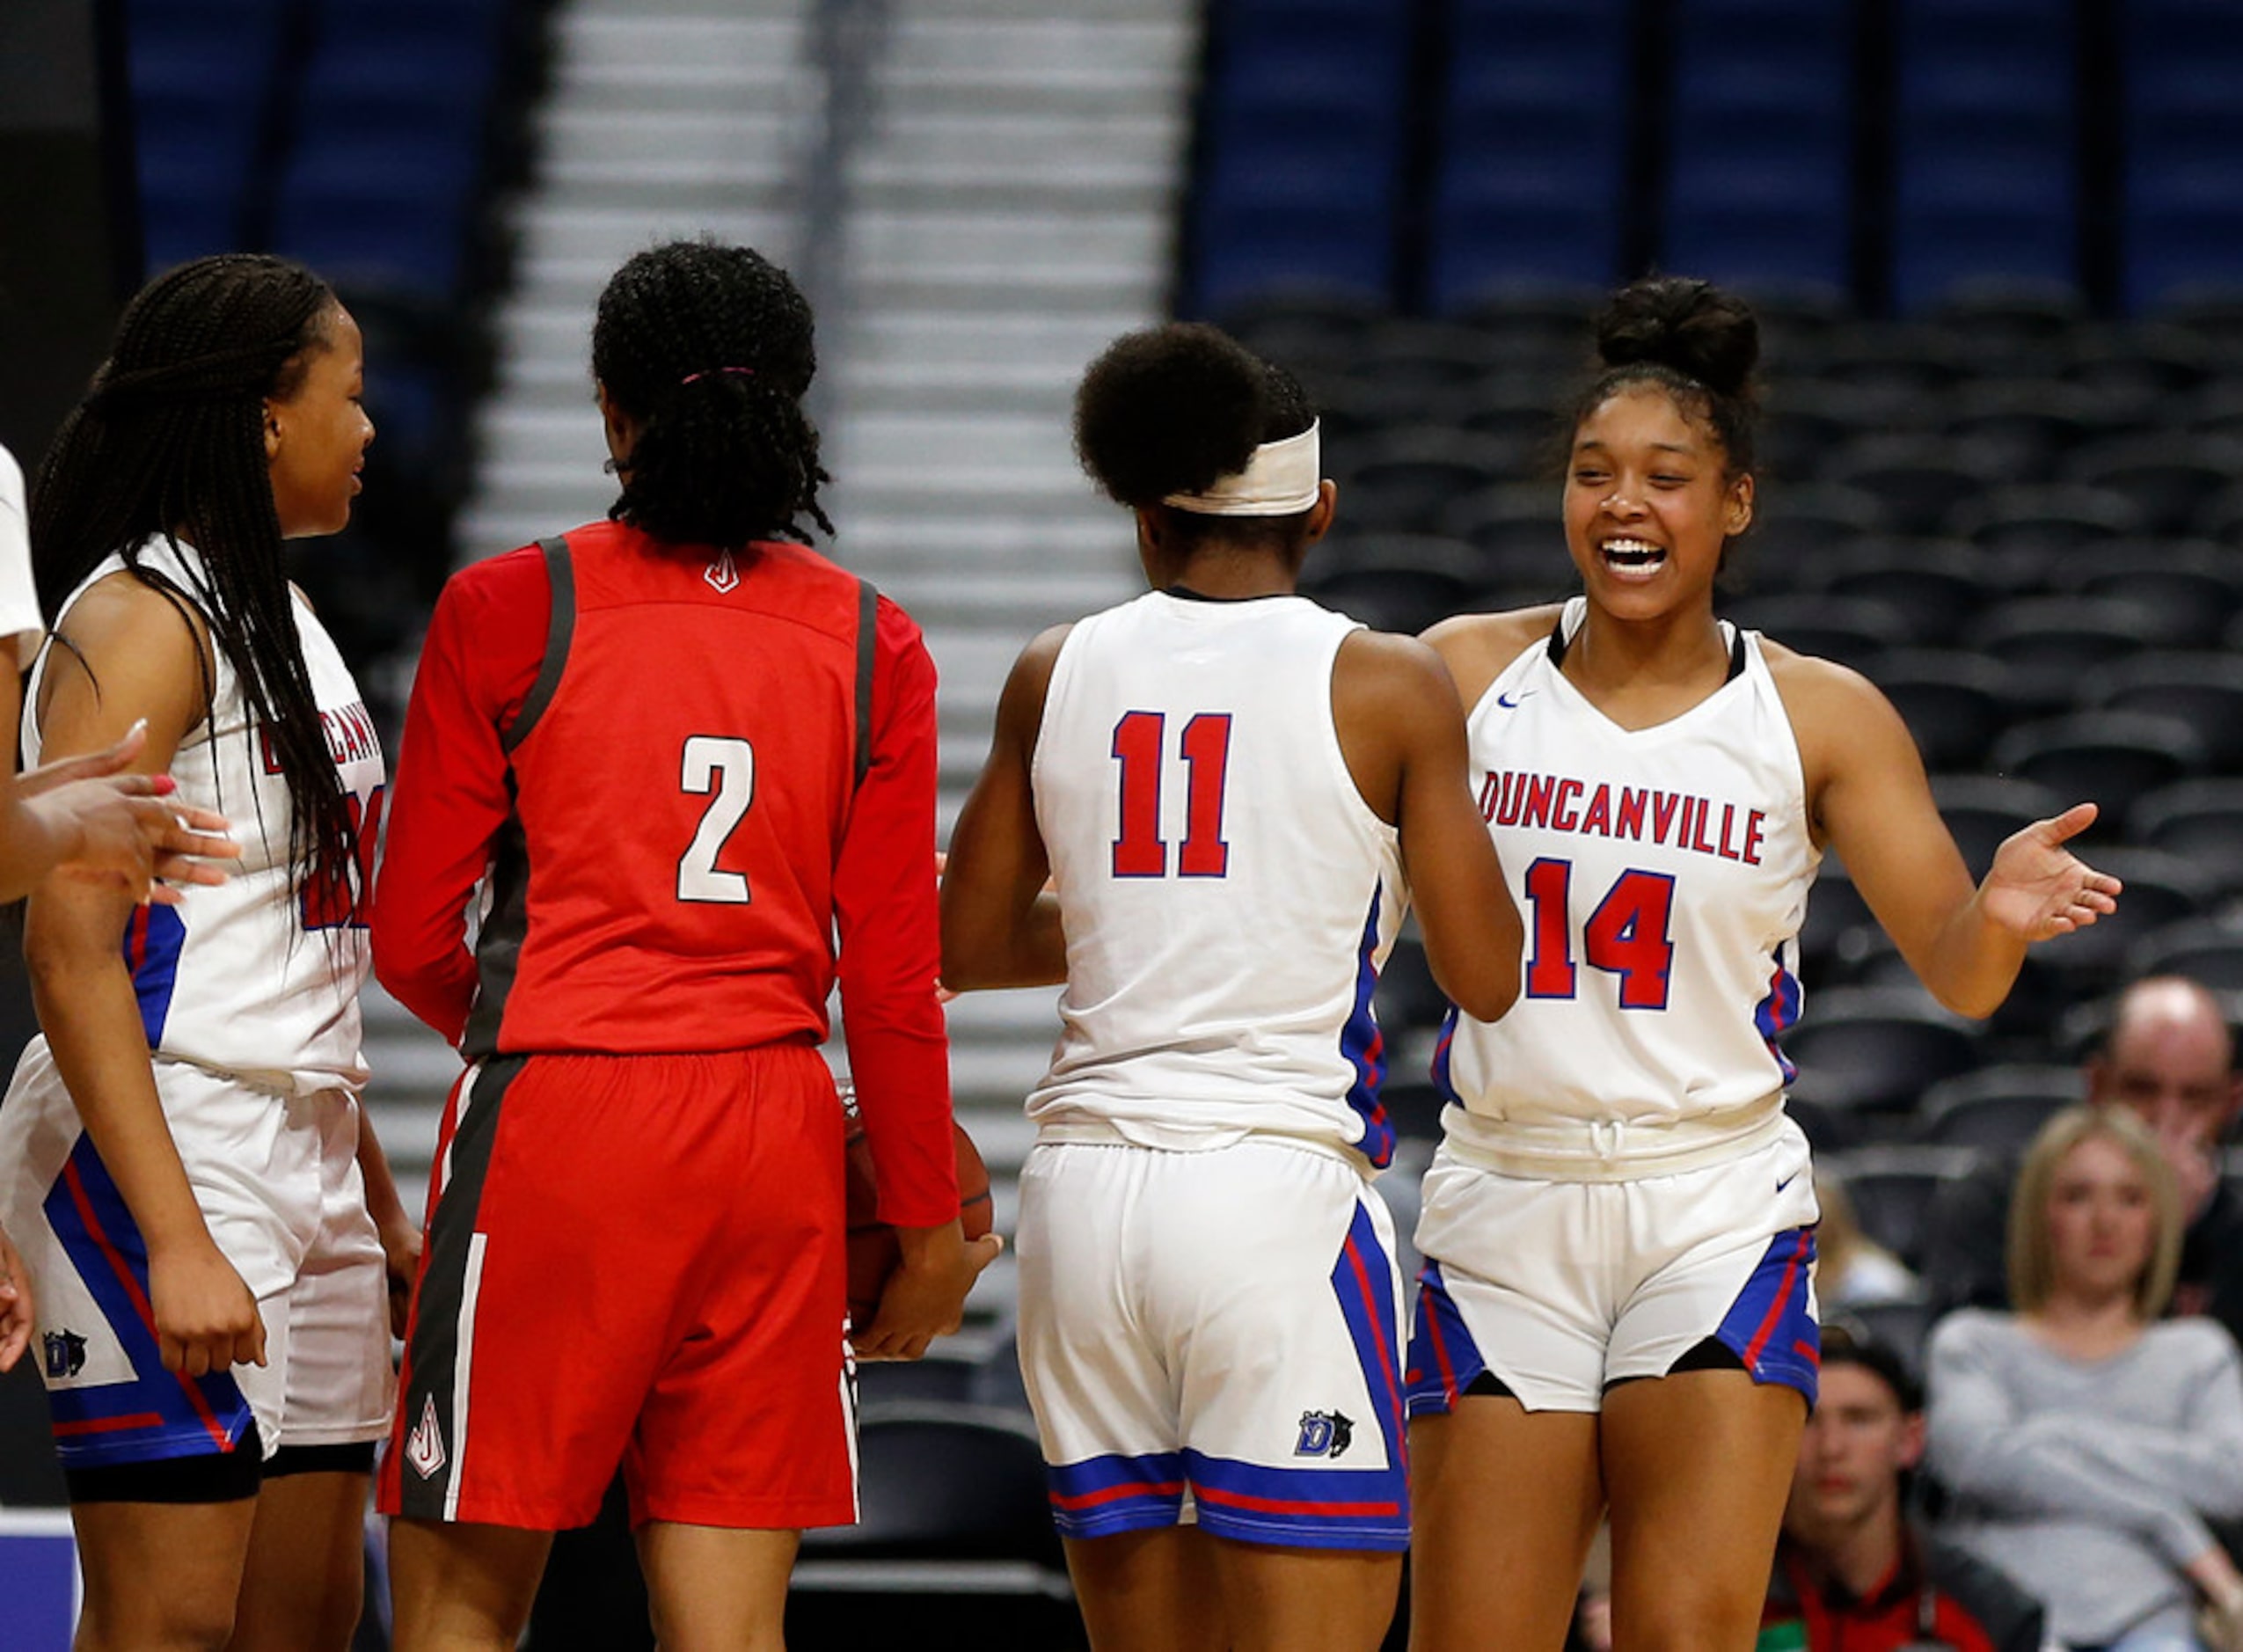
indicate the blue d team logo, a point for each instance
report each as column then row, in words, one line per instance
column 1324, row 1434
column 65, row 1354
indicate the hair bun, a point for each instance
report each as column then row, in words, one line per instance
column 1690, row 326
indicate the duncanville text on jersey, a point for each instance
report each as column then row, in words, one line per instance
column 1679, row 819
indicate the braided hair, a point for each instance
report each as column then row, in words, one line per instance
column 708, row 349
column 170, row 440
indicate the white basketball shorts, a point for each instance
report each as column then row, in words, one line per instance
column 1559, row 1290
column 1214, row 1337
column 278, row 1182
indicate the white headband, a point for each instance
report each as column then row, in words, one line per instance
column 1283, row 478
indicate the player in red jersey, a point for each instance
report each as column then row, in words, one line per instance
column 677, row 755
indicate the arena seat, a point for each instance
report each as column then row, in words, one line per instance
column 1760, row 144
column 2188, row 590
column 2209, row 950
column 2026, row 426
column 1936, row 586
column 2161, row 889
column 1919, row 479
column 2181, row 228
column 1892, row 1186
column 1980, row 810
column 1997, row 1109
column 2204, row 689
column 1851, row 630
column 2201, row 821
column 1954, row 702
column 954, row 1537
column 1532, row 179
column 2049, row 641
column 1877, row 1047
column 1985, row 132
column 2043, row 518
column 2170, row 477
column 205, row 79
column 2110, row 757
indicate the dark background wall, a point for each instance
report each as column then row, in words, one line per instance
column 68, row 224
column 69, row 242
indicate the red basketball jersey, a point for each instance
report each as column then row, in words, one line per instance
column 676, row 774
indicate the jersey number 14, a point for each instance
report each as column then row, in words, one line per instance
column 1625, row 936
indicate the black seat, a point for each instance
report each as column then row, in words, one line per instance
column 2221, row 519
column 1405, row 478
column 2025, row 425
column 1836, row 913
column 2109, row 759
column 1393, row 581
column 2049, row 641
column 1892, row 1186
column 2202, row 690
column 1919, row 479
column 1804, row 519
column 1406, row 995
column 2044, row 517
column 1980, row 810
column 1512, row 518
column 2201, row 821
column 1901, row 1326
column 954, row 1530
column 1851, row 630
column 1936, row 585
column 1877, row 1047
column 1996, row 1109
column 1954, row 702
column 2188, row 589
column 2204, row 950
column 2171, row 477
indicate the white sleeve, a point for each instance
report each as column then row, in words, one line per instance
column 21, row 628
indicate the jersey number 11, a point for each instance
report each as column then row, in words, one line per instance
column 1140, row 851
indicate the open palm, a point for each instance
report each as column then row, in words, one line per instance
column 2038, row 888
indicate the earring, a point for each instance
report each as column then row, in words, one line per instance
column 609, row 465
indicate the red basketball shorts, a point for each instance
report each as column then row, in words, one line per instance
column 633, row 1260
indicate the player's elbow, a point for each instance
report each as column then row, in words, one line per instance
column 1483, row 984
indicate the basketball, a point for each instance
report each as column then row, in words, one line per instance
column 873, row 1250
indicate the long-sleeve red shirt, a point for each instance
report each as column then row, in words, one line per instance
column 653, row 788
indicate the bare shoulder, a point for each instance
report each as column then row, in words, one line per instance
column 1478, row 647
column 1390, row 670
column 1820, row 693
column 123, row 618
column 128, row 649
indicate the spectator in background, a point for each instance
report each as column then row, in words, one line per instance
column 2169, row 1059
column 2082, row 1444
column 1851, row 1572
column 1850, row 1267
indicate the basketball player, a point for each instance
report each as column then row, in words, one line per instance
column 80, row 814
column 209, row 1222
column 1614, row 1307
column 676, row 750
column 1224, row 783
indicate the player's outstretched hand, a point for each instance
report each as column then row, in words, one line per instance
column 121, row 829
column 15, row 1307
column 206, row 1319
column 2038, row 888
column 926, row 1296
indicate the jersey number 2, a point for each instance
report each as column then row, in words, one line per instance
column 1140, row 851
column 726, row 767
column 1625, row 936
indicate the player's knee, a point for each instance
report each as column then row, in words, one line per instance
column 1694, row 1613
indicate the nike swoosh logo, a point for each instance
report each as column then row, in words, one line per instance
column 1786, row 1182
column 1510, row 702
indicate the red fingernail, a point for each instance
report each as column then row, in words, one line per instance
column 165, row 786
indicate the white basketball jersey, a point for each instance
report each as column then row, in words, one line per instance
column 1227, row 893
column 255, row 976
column 1661, row 874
